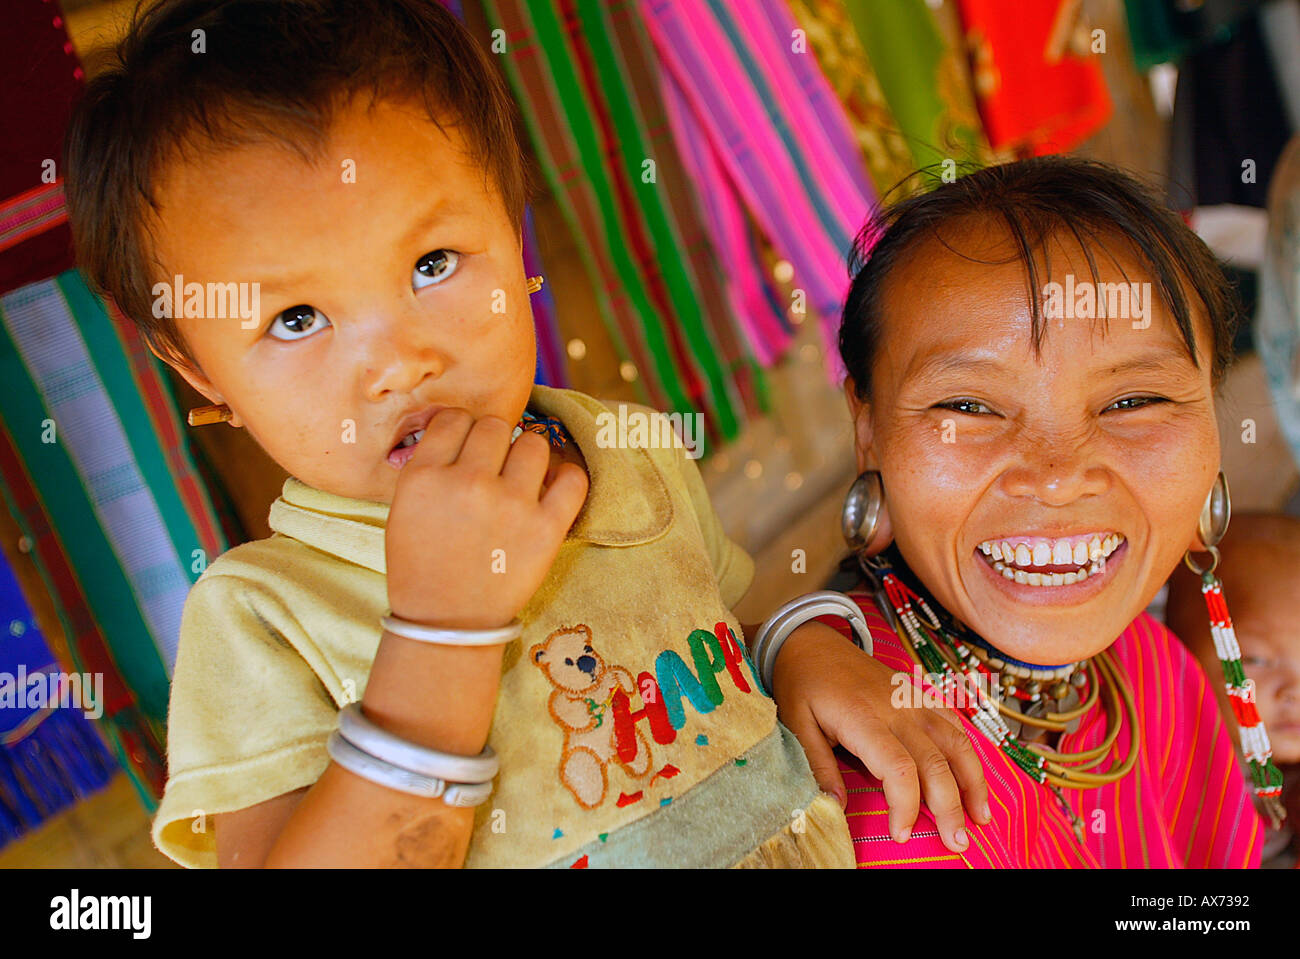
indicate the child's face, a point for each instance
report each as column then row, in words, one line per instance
column 384, row 295
column 980, row 441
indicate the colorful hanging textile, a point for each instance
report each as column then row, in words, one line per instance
column 1039, row 84
column 791, row 158
column 89, row 425
column 121, row 524
column 685, row 204
column 750, row 294
column 40, row 79
column 50, row 754
column 594, row 141
column 924, row 78
column 550, row 352
column 831, row 37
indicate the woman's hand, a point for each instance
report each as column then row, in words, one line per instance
column 830, row 693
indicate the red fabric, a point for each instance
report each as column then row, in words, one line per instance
column 1037, row 96
column 40, row 79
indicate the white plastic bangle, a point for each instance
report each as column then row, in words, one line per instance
column 778, row 627
column 443, row 636
column 394, row 777
column 393, row 749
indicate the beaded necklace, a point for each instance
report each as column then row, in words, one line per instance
column 950, row 652
column 547, row 426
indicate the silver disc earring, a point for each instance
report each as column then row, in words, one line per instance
column 1213, row 524
column 860, row 517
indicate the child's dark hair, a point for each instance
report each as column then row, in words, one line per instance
column 268, row 70
column 1037, row 199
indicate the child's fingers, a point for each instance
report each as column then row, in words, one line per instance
column 888, row 760
column 526, row 464
column 966, row 766
column 563, row 499
column 939, row 785
column 443, row 438
column 820, row 753
column 486, row 446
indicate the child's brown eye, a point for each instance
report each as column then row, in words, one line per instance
column 434, row 268
column 297, row 323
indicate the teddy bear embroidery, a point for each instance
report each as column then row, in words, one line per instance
column 583, row 687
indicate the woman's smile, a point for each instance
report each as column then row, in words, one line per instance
column 1065, row 571
column 1041, row 493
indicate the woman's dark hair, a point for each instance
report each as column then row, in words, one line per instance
column 1034, row 200
column 206, row 74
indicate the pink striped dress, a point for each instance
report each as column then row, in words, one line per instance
column 1184, row 804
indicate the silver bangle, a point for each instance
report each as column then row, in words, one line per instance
column 393, row 749
column 778, row 627
column 394, row 777
column 444, row 636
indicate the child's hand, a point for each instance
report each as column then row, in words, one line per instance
column 831, row 693
column 464, row 494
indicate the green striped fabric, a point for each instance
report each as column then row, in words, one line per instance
column 572, row 65
column 102, row 481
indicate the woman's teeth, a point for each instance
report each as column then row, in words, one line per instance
column 1023, row 560
column 410, row 439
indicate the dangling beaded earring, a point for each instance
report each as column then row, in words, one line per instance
column 1267, row 778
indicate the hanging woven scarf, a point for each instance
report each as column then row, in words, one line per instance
column 778, row 133
column 122, row 523
column 923, row 74
column 831, row 36
column 570, row 79
column 1037, row 76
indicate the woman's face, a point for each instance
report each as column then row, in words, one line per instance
column 1007, row 472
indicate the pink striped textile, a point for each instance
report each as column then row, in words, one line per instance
column 1184, row 804
column 779, row 136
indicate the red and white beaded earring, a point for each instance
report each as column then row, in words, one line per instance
column 1258, row 752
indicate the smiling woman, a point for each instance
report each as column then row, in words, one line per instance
column 1042, row 471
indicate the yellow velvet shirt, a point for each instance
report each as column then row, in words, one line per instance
column 631, row 726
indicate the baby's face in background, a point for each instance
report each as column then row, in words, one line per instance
column 381, row 299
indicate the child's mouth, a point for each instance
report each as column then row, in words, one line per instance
column 405, row 448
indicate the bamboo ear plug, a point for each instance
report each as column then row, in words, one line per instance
column 205, row 415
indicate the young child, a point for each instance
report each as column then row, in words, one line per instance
column 354, row 163
column 1259, row 567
